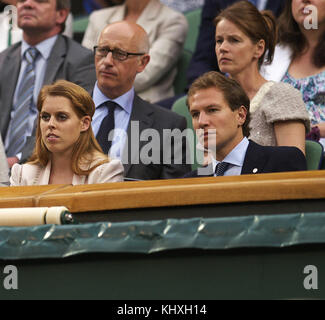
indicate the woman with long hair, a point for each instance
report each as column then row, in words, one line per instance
column 66, row 151
column 299, row 57
column 245, row 38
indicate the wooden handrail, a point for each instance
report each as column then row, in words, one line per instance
column 164, row 193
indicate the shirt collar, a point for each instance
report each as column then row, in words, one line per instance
column 125, row 101
column 44, row 47
column 236, row 156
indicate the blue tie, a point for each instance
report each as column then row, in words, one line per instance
column 221, row 168
column 24, row 103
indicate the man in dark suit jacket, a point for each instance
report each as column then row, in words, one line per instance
column 220, row 112
column 59, row 58
column 148, row 139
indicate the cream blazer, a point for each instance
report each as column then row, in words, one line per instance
column 167, row 30
column 30, row 174
column 4, row 178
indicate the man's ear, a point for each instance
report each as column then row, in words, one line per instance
column 61, row 16
column 143, row 61
column 242, row 113
column 85, row 123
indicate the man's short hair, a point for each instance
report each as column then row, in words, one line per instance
column 63, row 4
column 233, row 93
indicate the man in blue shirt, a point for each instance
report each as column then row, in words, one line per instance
column 148, row 139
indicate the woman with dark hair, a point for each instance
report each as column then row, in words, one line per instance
column 245, row 38
column 66, row 151
column 300, row 56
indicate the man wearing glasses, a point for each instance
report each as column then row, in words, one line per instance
column 121, row 54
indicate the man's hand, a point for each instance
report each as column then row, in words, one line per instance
column 12, row 160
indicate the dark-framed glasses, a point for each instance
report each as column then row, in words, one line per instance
column 117, row 54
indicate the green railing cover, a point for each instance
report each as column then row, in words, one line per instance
column 59, row 241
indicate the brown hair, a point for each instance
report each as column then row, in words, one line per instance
column 232, row 91
column 63, row 5
column 291, row 35
column 256, row 25
column 86, row 148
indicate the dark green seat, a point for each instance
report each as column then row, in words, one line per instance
column 180, row 81
column 79, row 27
column 194, row 20
column 314, row 155
column 80, row 24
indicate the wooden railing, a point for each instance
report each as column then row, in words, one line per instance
column 164, row 193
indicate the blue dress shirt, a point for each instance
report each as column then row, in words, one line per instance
column 122, row 116
column 235, row 158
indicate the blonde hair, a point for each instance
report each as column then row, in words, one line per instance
column 86, row 150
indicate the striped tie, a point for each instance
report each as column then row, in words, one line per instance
column 221, row 168
column 23, row 105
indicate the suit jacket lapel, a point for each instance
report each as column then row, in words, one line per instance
column 254, row 159
column 9, row 74
column 55, row 60
column 142, row 120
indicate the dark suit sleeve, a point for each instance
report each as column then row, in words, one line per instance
column 204, row 58
column 292, row 159
column 81, row 68
column 282, row 159
column 176, row 156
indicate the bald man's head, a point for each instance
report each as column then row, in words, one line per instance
column 121, row 54
column 133, row 33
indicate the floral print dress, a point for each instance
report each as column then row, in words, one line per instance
column 313, row 92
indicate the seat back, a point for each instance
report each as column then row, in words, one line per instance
column 79, row 27
column 314, row 155
column 180, row 81
column 194, row 20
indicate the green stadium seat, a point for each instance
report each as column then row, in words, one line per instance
column 194, row 20
column 79, row 27
column 180, row 80
column 314, row 155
